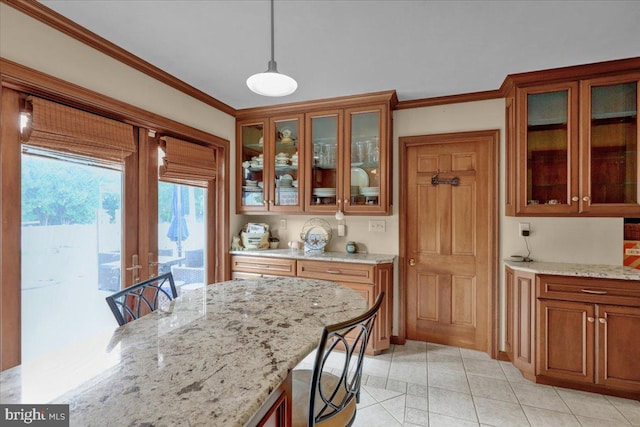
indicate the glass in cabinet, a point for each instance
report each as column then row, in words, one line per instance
column 364, row 155
column 610, row 155
column 366, row 160
column 324, row 180
column 548, row 155
column 251, row 167
column 286, row 161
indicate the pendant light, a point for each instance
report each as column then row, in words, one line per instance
column 272, row 83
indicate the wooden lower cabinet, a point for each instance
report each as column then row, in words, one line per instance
column 574, row 332
column 368, row 279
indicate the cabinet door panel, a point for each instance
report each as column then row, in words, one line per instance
column 618, row 347
column 566, row 345
column 508, row 340
column 524, row 318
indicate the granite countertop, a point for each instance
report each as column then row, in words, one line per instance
column 210, row 358
column 325, row 256
column 579, row 270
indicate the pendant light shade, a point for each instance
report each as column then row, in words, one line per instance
column 271, row 82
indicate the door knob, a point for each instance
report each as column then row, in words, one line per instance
column 412, row 262
column 575, row 198
column 591, row 319
column 586, row 198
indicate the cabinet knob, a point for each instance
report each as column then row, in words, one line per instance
column 586, row 198
column 346, row 201
column 575, row 198
column 412, row 262
column 591, row 319
column 602, row 320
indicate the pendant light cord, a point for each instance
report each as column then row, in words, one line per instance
column 272, row 37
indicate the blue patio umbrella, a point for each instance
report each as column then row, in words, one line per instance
column 178, row 231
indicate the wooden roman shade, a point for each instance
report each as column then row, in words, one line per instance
column 187, row 163
column 57, row 127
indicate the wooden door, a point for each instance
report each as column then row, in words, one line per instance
column 618, row 361
column 566, row 340
column 449, row 238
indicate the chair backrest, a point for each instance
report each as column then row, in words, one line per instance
column 142, row 298
column 349, row 340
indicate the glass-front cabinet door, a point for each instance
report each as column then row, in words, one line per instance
column 365, row 160
column 251, row 167
column 324, row 179
column 286, row 144
column 548, row 149
column 609, row 160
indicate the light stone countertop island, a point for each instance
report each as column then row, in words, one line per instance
column 211, row 358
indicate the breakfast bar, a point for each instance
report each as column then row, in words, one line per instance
column 212, row 357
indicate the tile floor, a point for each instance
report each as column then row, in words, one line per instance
column 421, row 384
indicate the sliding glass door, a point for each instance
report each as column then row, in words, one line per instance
column 182, row 234
column 71, row 250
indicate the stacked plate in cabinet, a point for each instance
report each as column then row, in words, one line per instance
column 370, row 191
column 324, row 192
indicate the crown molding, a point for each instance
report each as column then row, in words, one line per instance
column 58, row 22
column 387, row 97
column 575, row 72
column 450, row 99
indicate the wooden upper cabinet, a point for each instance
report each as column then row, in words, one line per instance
column 574, row 148
column 342, row 150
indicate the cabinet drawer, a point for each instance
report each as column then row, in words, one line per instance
column 587, row 289
column 263, row 265
column 336, row 271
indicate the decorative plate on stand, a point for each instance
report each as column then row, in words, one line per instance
column 316, row 234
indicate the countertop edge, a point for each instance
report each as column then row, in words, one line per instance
column 357, row 258
column 600, row 271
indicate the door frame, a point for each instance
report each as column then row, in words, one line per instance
column 16, row 78
column 492, row 138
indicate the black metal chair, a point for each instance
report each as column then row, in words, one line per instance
column 321, row 398
column 144, row 297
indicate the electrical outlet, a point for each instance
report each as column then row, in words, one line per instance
column 524, row 229
column 377, row 226
column 283, row 224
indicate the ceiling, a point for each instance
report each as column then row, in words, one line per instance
column 421, row 49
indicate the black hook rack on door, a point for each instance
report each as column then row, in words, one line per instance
column 455, row 181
